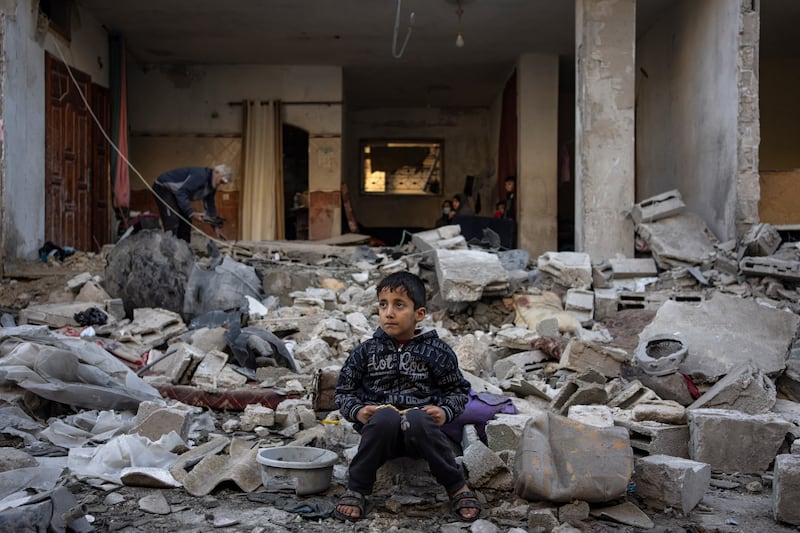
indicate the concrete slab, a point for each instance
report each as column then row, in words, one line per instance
column 724, row 332
column 681, row 240
column 744, row 389
column 786, row 489
column 664, row 481
column 570, row 269
column 465, row 275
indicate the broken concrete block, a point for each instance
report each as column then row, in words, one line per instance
column 314, row 351
column 472, row 353
column 655, row 438
column 602, row 274
column 578, row 392
column 542, row 520
column 789, row 382
column 405, row 475
column 670, row 387
column 570, row 269
column 503, row 431
column 295, row 411
column 580, row 304
column 206, row 374
column 548, row 327
column 92, row 292
column 576, row 511
column 583, row 355
column 595, row 467
column 657, row 207
column 759, row 334
column 74, row 284
column 633, row 393
column 786, row 489
column 115, row 307
column 154, row 421
column 624, row 268
column 466, row 275
column 732, row 441
column 606, row 303
column 679, row 241
column 55, row 315
column 744, row 389
column 592, row 415
column 517, row 338
column 664, row 411
column 256, row 415
column 444, row 237
column 663, row 481
column 770, row 266
column 178, row 362
column 482, row 464
column 761, row 240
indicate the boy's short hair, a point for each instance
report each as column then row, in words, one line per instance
column 407, row 281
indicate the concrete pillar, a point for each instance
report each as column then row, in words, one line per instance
column 537, row 130
column 324, row 183
column 748, row 188
column 604, row 126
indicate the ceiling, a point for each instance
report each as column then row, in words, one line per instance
column 358, row 35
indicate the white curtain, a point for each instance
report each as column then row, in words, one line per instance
column 262, row 180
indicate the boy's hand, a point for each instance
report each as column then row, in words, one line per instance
column 365, row 413
column 437, row 413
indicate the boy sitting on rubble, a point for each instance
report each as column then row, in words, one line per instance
column 398, row 388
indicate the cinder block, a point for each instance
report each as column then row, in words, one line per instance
column 632, row 394
column 482, row 464
column 580, row 304
column 664, row 481
column 732, row 441
column 769, row 266
column 657, row 207
column 655, row 438
column 786, row 489
column 761, row 240
column 606, row 302
column 633, row 267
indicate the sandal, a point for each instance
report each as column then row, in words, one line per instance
column 465, row 500
column 351, row 498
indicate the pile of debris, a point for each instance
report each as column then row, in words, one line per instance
column 155, row 361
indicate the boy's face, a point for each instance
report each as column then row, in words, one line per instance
column 509, row 186
column 397, row 314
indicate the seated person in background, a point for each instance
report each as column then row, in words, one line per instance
column 500, row 209
column 460, row 206
column 398, row 388
column 447, row 207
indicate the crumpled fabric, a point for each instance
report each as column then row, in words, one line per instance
column 481, row 407
column 90, row 317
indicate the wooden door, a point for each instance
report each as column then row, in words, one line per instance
column 101, row 169
column 67, row 157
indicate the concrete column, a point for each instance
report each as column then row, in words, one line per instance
column 537, row 167
column 324, row 184
column 748, row 189
column 605, row 35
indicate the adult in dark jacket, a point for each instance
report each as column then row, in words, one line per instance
column 175, row 189
column 461, row 206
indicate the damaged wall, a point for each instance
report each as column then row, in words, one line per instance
column 23, row 113
column 780, row 112
column 687, row 110
column 466, row 136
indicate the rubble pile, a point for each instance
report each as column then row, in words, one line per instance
column 180, row 393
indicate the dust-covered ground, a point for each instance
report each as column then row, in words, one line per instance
column 734, row 504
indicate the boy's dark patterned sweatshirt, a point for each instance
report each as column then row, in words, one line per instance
column 422, row 371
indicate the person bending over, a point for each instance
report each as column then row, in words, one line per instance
column 175, row 189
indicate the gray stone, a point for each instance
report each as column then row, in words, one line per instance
column 583, row 355
column 655, row 438
column 543, row 518
column 633, row 393
column 789, row 382
column 744, row 389
column 657, row 207
column 466, row 275
column 155, row 503
column 472, row 353
column 178, row 363
column 732, row 441
column 606, row 302
column 11, row 459
column 761, row 240
column 156, row 424
column 573, row 512
column 256, row 415
column 503, row 431
column 578, row 392
column 670, row 387
column 664, row 481
column 570, row 269
column 482, row 464
column 149, row 269
column 206, row 375
column 592, row 415
column 679, row 241
column 624, row 268
column 580, row 304
column 725, row 331
column 786, row 489
column 664, row 411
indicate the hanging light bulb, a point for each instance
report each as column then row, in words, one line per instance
column 459, row 37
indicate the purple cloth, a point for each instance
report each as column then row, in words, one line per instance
column 481, row 407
